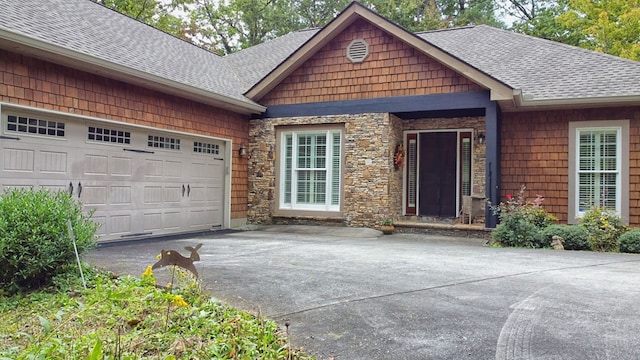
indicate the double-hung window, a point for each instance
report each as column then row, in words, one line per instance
column 599, row 173
column 310, row 169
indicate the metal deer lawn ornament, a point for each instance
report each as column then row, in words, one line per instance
column 171, row 257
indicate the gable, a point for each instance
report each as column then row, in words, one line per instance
column 392, row 68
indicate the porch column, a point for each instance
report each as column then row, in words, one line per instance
column 492, row 170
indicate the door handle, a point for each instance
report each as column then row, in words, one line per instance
column 70, row 188
column 183, row 189
column 188, row 190
column 79, row 189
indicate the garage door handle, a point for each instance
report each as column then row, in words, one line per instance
column 79, row 189
column 188, row 190
column 4, row 137
column 70, row 188
column 183, row 189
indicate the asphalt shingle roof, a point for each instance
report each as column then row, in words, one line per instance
column 91, row 29
column 543, row 70
column 258, row 61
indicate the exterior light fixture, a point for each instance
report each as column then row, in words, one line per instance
column 480, row 138
column 242, row 151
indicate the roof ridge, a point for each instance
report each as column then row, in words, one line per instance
column 446, row 29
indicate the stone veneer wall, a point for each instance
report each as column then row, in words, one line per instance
column 372, row 188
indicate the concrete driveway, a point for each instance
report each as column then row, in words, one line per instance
column 353, row 294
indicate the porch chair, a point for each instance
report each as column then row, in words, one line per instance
column 472, row 205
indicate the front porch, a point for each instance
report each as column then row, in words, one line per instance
column 448, row 227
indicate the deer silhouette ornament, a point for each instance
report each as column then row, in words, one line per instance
column 172, row 257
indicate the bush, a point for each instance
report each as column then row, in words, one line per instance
column 630, row 241
column 517, row 231
column 575, row 237
column 604, row 228
column 34, row 238
column 521, row 221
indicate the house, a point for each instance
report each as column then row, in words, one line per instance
column 349, row 124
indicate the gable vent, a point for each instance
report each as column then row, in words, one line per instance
column 357, row 51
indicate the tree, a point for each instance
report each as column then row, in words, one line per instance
column 150, row 12
column 609, row 26
column 419, row 15
column 539, row 18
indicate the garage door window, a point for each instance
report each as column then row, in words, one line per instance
column 35, row 126
column 106, row 135
column 206, row 148
column 310, row 168
column 163, row 142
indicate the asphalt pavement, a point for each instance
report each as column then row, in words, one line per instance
column 356, row 294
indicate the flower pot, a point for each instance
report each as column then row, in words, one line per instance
column 387, row 229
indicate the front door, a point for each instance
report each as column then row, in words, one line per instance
column 437, row 174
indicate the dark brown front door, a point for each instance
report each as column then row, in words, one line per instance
column 437, row 169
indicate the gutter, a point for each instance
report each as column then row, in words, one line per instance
column 525, row 102
column 109, row 69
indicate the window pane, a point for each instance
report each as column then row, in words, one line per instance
column 311, row 187
column 288, row 150
column 335, row 170
column 598, row 169
column 466, row 166
column 412, row 170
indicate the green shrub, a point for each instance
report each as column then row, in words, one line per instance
column 521, row 221
column 518, row 232
column 575, row 237
column 604, row 228
column 34, row 238
column 630, row 241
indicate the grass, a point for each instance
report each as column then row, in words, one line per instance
column 132, row 318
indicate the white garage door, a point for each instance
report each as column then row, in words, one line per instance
column 140, row 182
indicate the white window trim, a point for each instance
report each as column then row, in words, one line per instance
column 622, row 183
column 294, row 205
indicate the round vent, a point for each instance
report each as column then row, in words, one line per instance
column 357, row 51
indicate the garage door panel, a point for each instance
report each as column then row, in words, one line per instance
column 102, row 221
column 172, row 220
column 121, row 166
column 152, row 195
column 93, row 195
column 96, row 164
column 120, row 195
column 120, row 224
column 153, row 168
column 153, row 221
column 18, row 160
column 173, row 169
column 53, row 162
column 172, row 194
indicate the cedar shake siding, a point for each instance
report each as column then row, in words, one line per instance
column 39, row 84
column 535, row 148
column 392, row 68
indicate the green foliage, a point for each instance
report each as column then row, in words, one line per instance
column 521, row 221
column 604, row 229
column 125, row 318
column 518, row 232
column 156, row 13
column 575, row 237
column 630, row 241
column 611, row 26
column 34, row 238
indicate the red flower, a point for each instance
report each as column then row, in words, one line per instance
column 509, row 196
